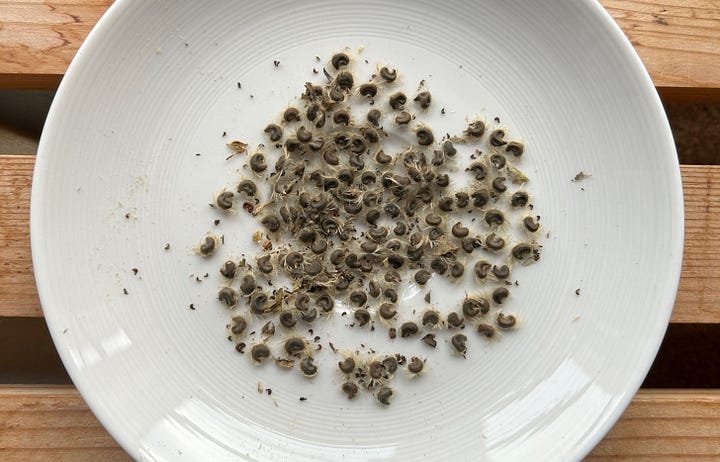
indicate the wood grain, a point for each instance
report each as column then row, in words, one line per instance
column 53, row 423
column 698, row 301
column 676, row 39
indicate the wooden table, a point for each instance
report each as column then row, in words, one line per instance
column 679, row 42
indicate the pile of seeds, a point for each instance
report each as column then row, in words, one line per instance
column 345, row 221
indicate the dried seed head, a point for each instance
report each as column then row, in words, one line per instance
column 408, row 329
column 449, row 149
column 431, row 318
column 350, row 389
column 373, row 117
column 309, row 315
column 521, row 251
column 400, row 228
column 228, row 296
column 319, row 246
column 439, row 265
column 442, row 180
column 271, row 222
column 372, row 217
column 433, row 219
column 382, row 158
column 462, row 199
column 304, row 135
column 446, row 203
column 391, row 364
column 228, row 269
column 397, row 100
column 344, row 80
column 393, row 277
column 506, row 321
column 481, row 269
column 302, row 301
column 358, row 297
column 478, row 169
column 341, row 117
column 259, row 352
column 459, row 343
column 391, row 294
column 429, row 340
column 362, row 316
column 457, row 269
column 225, row 200
column 498, row 161
column 498, row 184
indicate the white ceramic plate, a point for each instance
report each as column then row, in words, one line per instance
column 156, row 83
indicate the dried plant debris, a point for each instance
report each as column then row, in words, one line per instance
column 345, row 220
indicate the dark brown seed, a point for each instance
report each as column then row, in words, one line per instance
column 422, row 277
column 497, row 137
column 358, row 297
column 459, row 343
column 259, row 353
column 374, row 289
column 515, row 148
column 446, row 204
column 317, row 144
column 325, row 303
column 368, row 247
column 506, row 321
column 228, row 296
column 474, row 306
column 391, row 364
column 531, row 224
column 341, row 117
column 368, row 178
column 392, row 332
column 458, row 230
column 309, row 315
column 344, row 80
column 387, row 74
column 429, row 340
column 442, row 180
column 347, row 366
column 274, row 132
column 308, row 367
column 239, row 325
column 248, row 187
column 400, row 228
column 304, row 135
column 478, row 169
column 431, row 318
column 257, row 162
column 371, row 199
column 475, row 129
column 307, row 235
column 372, row 217
column 294, row 345
column 481, row 269
column 393, row 276
column 264, row 264
column 469, row 244
column 498, row 161
column 439, row 265
column 486, row 329
column 225, row 200
column 368, row 90
column 384, row 395
column 350, row 389
column 374, row 116
column 271, row 222
column 423, row 99
column 352, row 261
column 302, row 302
column 382, row 158
column 330, row 156
column 387, row 311
column 291, row 114
column 346, row 176
column 494, row 217
column 208, row 246
column 376, row 370
column 258, row 301
column 288, row 319
column 424, row 136
column 408, row 329
column 228, row 269
column 521, row 251
column 362, row 316
column 293, row 145
column 319, row 246
column 378, row 234
column 494, row 242
column 397, row 100
column 454, row 320
column 501, row 272
column 392, row 210
column 433, row 219
column 311, row 113
column 463, row 199
column 293, row 260
column 340, row 60
column 391, row 294
column 403, row 118
column 449, row 149
column 393, row 244
column 337, row 256
column 457, row 269
column 498, row 184
column 415, row 365
column 247, row 285
column 519, row 199
column 500, row 294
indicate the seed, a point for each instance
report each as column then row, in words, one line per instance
column 497, row 137
column 228, row 269
column 445, row 204
column 358, row 297
column 308, row 367
column 463, row 199
column 391, row 364
column 393, row 244
column 208, row 246
column 393, row 277
column 521, row 251
column 439, row 265
column 331, row 157
column 424, row 136
column 392, row 210
column 449, row 149
column 291, row 114
column 376, row 370
column 519, row 199
column 247, row 285
column 344, row 80
column 408, row 329
column 430, row 318
column 475, row 129
column 293, row 260
column 341, row 117
column 469, row 244
column 371, row 199
column 481, row 269
column 293, row 145
column 339, row 60
column 264, row 264
column 309, row 315
column 429, row 340
column 271, row 222
column 368, row 90
column 391, row 294
column 302, row 302
column 346, row 176
column 486, row 329
column 415, row 254
column 531, row 224
column 228, row 296
column 387, row 74
column 307, row 235
column 257, row 162
column 382, row 158
column 415, row 366
column 350, row 389
column 347, row 366
column 304, row 135
column 442, row 180
column 397, row 100
column 319, row 246
column 274, row 132
column 224, row 200
column 457, row 269
column 268, row 330
column 459, row 342
column 422, row 277
column 259, row 353
column 362, row 317
column 384, row 395
column 372, row 217
column 258, row 300
column 337, row 256
column 433, row 219
column 387, row 311
column 423, row 99
column 248, row 187
column 325, row 302
column 454, row 320
column 498, row 161
column 336, row 93
column 506, row 321
column 458, row 230
column 294, row 345
column 368, row 178
column 515, row 148
column 373, row 289
column 498, row 184
column 501, row 272
column 400, row 228
column 311, row 113
column 374, row 116
column 494, row 217
column 368, row 247
column 478, row 169
column 239, row 325
column 352, row 261
column 494, row 242
column 288, row 319
column 474, row 306
column 500, row 294
column 403, row 118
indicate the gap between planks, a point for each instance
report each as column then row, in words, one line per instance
column 54, row 423
column 698, row 300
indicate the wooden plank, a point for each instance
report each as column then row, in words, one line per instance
column 658, row 425
column 676, row 39
column 698, row 301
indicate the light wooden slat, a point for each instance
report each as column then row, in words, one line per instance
column 676, row 39
column 697, row 301
column 658, row 425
